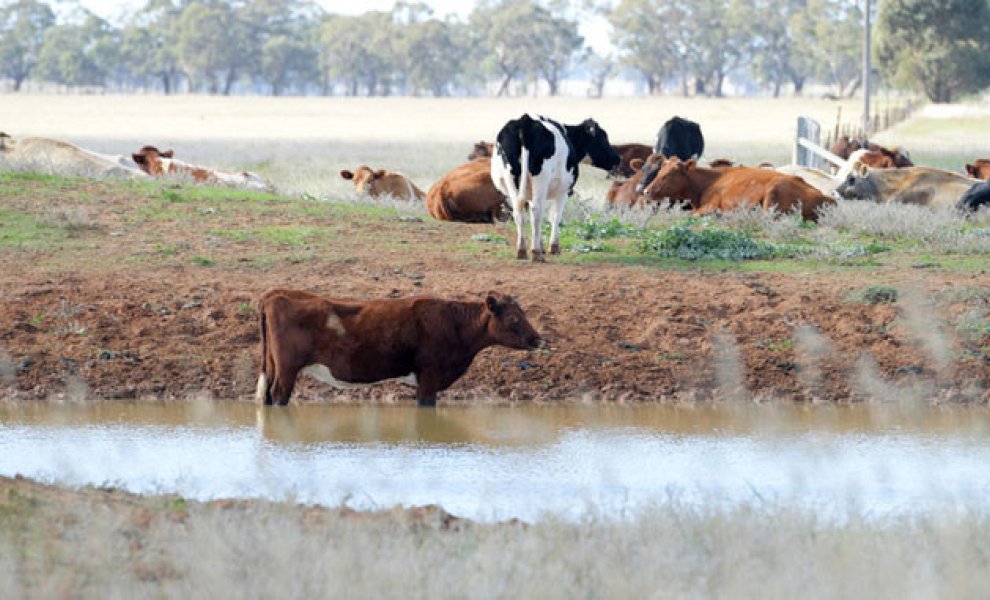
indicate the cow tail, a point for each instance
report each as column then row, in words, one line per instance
column 264, row 382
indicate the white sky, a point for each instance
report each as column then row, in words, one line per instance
column 595, row 31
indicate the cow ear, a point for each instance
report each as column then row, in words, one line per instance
column 971, row 169
column 168, row 153
column 863, row 170
column 636, row 164
column 491, row 303
column 347, row 174
column 141, row 159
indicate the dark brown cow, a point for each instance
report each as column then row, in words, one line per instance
column 467, row 194
column 421, row 341
column 980, row 169
column 628, row 153
column 711, row 190
column 482, row 149
column 721, row 162
column 844, row 147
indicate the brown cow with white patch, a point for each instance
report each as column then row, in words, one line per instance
column 383, row 183
column 467, row 194
column 156, row 163
column 421, row 341
column 980, row 169
column 711, row 190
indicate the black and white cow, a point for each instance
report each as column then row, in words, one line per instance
column 678, row 137
column 536, row 163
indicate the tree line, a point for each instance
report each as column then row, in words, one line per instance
column 690, row 47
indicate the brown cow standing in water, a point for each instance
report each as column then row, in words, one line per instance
column 467, row 194
column 383, row 183
column 711, row 190
column 980, row 169
column 421, row 341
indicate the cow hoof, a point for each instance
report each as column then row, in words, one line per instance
column 537, row 256
column 521, row 254
column 554, row 248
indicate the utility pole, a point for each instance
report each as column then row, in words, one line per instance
column 866, row 68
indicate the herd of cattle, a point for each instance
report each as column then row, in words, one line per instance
column 531, row 168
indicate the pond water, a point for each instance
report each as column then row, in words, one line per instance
column 502, row 462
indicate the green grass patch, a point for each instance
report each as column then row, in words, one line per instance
column 22, row 230
column 875, row 294
column 202, row 261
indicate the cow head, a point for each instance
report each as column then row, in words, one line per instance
column 507, row 324
column 149, row 159
column 650, row 169
column 858, row 185
column 365, row 179
column 672, row 180
column 980, row 169
column 482, row 149
column 589, row 139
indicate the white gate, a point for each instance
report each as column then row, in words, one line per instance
column 808, row 152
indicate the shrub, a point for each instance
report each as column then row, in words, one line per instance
column 685, row 243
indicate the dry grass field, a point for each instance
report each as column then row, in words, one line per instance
column 302, row 143
column 144, row 290
column 109, row 544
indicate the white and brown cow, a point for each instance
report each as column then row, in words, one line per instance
column 421, row 341
column 383, row 183
column 157, row 163
column 536, row 164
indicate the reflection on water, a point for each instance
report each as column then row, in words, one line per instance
column 497, row 462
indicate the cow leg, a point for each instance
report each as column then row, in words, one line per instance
column 426, row 389
column 519, row 216
column 283, row 384
column 536, row 207
column 556, row 214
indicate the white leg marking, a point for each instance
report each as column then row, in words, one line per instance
column 259, row 392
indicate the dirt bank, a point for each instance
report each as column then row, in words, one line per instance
column 130, row 304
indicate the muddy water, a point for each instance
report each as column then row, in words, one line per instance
column 498, row 462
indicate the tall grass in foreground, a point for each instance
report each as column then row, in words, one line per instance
column 92, row 546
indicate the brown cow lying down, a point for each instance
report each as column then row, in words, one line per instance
column 383, row 183
column 482, row 149
column 425, row 342
column 467, row 194
column 163, row 164
column 723, row 189
column 56, row 157
column 913, row 185
column 980, row 169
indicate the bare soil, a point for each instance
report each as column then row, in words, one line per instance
column 105, row 314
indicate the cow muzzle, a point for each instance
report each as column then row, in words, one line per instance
column 538, row 343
